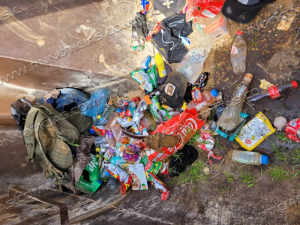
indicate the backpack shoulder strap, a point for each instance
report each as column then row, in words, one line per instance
column 29, row 132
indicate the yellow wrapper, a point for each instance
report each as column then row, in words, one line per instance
column 255, row 132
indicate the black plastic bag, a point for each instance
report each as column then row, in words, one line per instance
column 186, row 156
column 139, row 25
column 19, row 110
column 168, row 39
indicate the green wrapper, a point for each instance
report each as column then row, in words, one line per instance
column 88, row 187
column 150, row 166
column 143, row 79
column 93, row 168
column 165, row 113
column 155, row 109
column 153, row 75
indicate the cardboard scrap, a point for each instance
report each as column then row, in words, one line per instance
column 286, row 21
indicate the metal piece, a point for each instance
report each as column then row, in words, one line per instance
column 63, row 209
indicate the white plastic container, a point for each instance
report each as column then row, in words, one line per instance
column 253, row 158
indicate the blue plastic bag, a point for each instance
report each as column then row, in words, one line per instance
column 96, row 104
column 67, row 97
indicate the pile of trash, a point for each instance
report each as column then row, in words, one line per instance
column 85, row 141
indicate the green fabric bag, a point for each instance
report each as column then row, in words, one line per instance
column 46, row 135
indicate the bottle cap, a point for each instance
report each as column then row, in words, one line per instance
column 214, row 92
column 248, row 77
column 91, row 131
column 148, row 100
column 264, row 159
column 118, row 110
column 294, row 84
column 240, row 32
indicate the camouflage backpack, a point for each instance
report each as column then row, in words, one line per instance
column 47, row 135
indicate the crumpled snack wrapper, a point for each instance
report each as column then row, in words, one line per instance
column 159, row 185
column 184, row 126
column 121, row 175
column 265, row 84
column 255, row 132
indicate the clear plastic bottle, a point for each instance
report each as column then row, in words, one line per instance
column 104, row 174
column 238, row 54
column 230, row 118
column 108, row 110
column 253, row 158
column 100, row 141
column 208, row 98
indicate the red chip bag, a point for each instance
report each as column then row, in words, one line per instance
column 292, row 130
column 184, row 126
column 204, row 8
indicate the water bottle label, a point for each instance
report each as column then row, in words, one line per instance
column 273, row 91
column 234, row 50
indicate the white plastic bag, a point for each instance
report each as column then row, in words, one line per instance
column 192, row 64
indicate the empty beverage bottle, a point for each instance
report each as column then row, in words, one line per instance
column 105, row 116
column 104, row 174
column 276, row 91
column 100, row 141
column 230, row 118
column 238, row 54
column 253, row 158
column 208, row 98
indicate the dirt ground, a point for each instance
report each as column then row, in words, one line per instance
column 243, row 194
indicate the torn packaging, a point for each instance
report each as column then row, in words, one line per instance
column 160, row 140
column 184, row 126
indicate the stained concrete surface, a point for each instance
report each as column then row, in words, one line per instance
column 272, row 55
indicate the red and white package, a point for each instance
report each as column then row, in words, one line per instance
column 184, row 126
column 206, row 142
column 204, row 8
column 292, row 130
column 159, row 185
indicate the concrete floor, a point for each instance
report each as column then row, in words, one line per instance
column 272, row 55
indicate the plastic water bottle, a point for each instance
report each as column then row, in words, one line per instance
column 230, row 118
column 108, row 110
column 253, row 158
column 100, row 141
column 104, row 174
column 238, row 54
